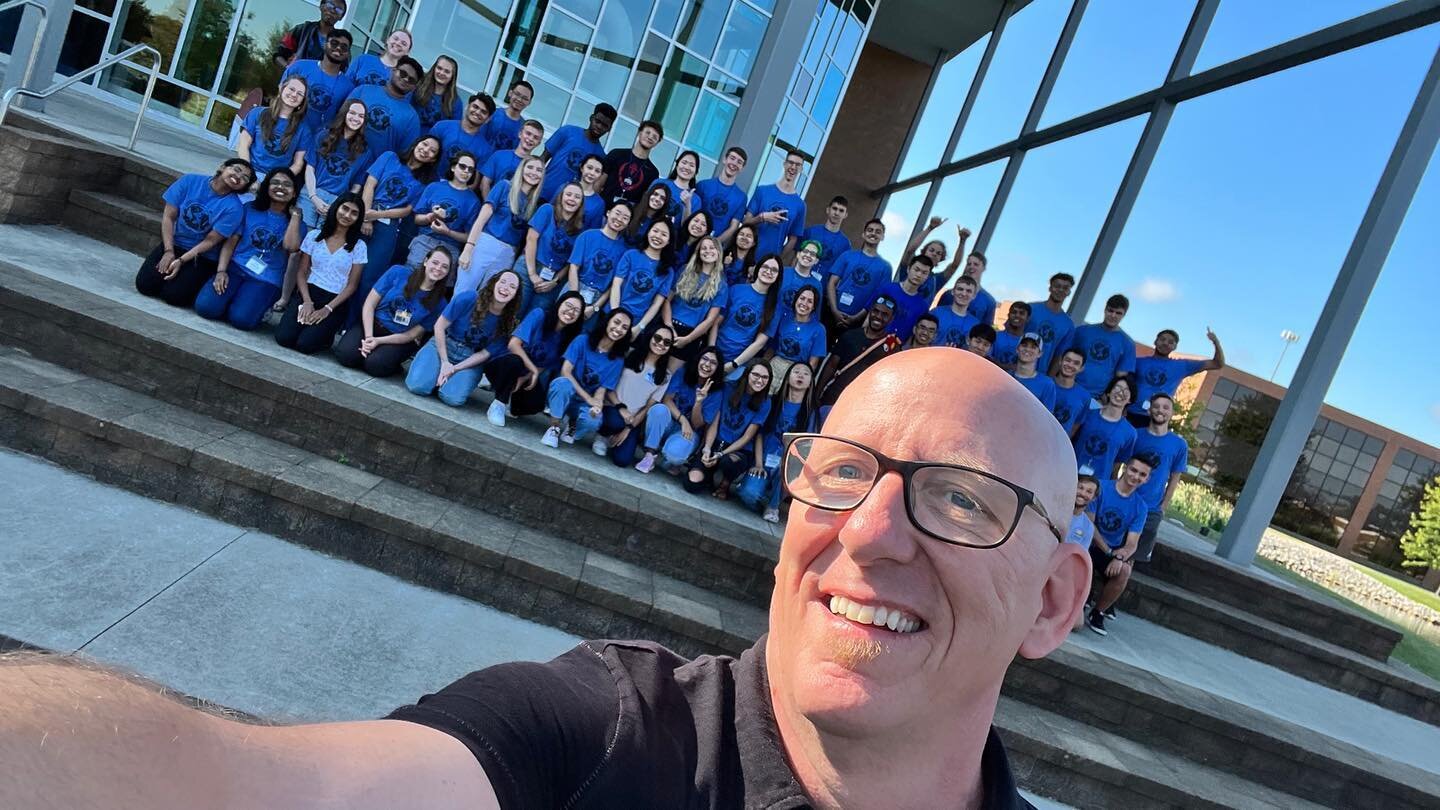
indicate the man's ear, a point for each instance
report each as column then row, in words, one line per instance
column 1062, row 599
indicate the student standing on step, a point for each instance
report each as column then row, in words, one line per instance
column 694, row 305
column 1171, row 454
column 927, row 327
column 691, row 231
column 1007, row 341
column 499, row 230
column 437, row 96
column 501, row 165
column 740, row 258
column 592, row 366
column 1162, row 374
column 1027, row 355
column 392, row 187
column 832, row 242
column 1103, row 436
column 643, row 277
column 733, row 421
column 1108, row 351
column 910, row 301
column 336, row 161
column 1050, row 321
column 308, row 40
column 800, row 338
column 803, row 274
column 652, row 210
column 503, row 129
column 403, row 306
column 1071, row 400
column 549, row 241
column 854, row 279
column 474, row 329
column 791, row 411
column 752, row 317
column 981, row 340
column 954, row 320
column 724, row 201
column 331, row 261
column 778, row 211
column 200, row 214
column 595, row 256
column 327, row 85
column 684, row 199
column 567, row 150
column 369, row 70
column 592, row 181
column 937, row 253
column 1118, row 513
column 445, row 211
column 521, row 378
column 983, row 307
column 466, row 134
column 252, row 262
column 625, row 426
column 629, row 171
column 391, row 123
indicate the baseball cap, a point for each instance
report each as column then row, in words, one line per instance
column 884, row 301
column 1035, row 338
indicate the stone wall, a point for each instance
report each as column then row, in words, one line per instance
column 38, row 171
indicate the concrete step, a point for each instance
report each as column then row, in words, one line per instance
column 114, row 219
column 127, row 174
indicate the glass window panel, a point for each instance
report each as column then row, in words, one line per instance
column 617, row 42
column 560, row 49
column 221, row 117
column 902, row 211
column 84, row 43
column 713, row 117
column 1225, row 388
column 1320, row 464
column 729, row 88
column 1332, row 485
column 623, row 133
column 105, row 7
column 744, row 32
column 1373, row 445
column 828, row 98
column 792, row 125
column 1210, row 420
column 550, row 103
column 700, row 24
column 667, row 13
column 1329, row 447
column 664, row 154
column 937, row 119
column 1358, row 477
column 183, row 103
column 466, row 30
column 810, row 138
column 642, row 83
column 1240, row 29
column 1122, row 48
column 822, row 30
column 1014, row 75
column 848, row 44
column 1404, row 459
column 1389, row 491
column 765, row 5
column 1334, row 430
column 800, row 86
column 1354, row 439
column 1365, row 461
column 963, row 200
column 261, row 23
column 1346, row 455
column 679, row 90
column 524, row 23
column 586, row 10
column 151, row 22
column 361, row 15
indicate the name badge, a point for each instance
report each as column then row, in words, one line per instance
column 385, row 221
column 256, row 265
column 846, row 299
column 547, row 274
column 1086, row 469
column 772, row 461
column 402, row 317
column 589, row 294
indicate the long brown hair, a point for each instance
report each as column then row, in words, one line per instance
column 335, row 135
column 426, row 88
column 576, row 221
column 417, row 277
column 270, row 116
column 510, row 315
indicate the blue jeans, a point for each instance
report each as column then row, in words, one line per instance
column 425, row 370
column 564, row 403
column 381, row 246
column 308, row 214
column 423, row 243
column 244, row 303
column 760, row 492
column 652, row 430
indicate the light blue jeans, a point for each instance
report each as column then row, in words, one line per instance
column 564, row 403
column 425, row 370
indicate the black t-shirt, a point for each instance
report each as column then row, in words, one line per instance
column 630, row 724
column 627, row 176
column 851, row 345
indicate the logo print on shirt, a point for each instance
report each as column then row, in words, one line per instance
column 860, row 276
column 602, row 264
column 379, row 118
column 502, row 140
column 747, row 316
column 631, row 175
column 574, row 160
column 338, row 161
column 448, row 211
column 372, row 77
column 734, row 419
column 590, row 379
column 478, row 334
column 643, row 282
column 1109, row 521
column 789, row 347
column 1062, row 414
column 1096, row 445
column 560, row 245
column 263, row 239
column 717, row 207
column 1099, row 350
column 196, row 218
column 321, row 98
column 1156, row 376
column 518, row 223
column 955, row 337
column 392, row 192
column 1046, row 332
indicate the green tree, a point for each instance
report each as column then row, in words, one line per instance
column 1237, row 441
column 1421, row 544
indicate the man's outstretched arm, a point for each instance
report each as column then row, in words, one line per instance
column 73, row 735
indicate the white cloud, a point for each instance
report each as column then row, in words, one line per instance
column 1157, row 291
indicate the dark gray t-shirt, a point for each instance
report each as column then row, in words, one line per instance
column 630, row 724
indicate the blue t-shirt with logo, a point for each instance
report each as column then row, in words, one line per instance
column 1041, row 386
column 1054, row 328
column 554, row 245
column 200, row 211
column 1006, row 347
column 469, row 332
column 724, row 203
column 431, row 111
column 1099, row 443
column 791, row 282
column 676, row 211
column 692, row 313
column 336, row 171
column 1154, row 375
column 733, row 421
column 595, row 257
column 1081, row 530
column 1117, row 515
column 834, row 244
column 743, row 313
column 544, row 350
column 501, row 165
column 391, row 124
column 908, row 308
column 460, row 205
column 772, row 236
column 683, row 393
column 502, row 131
column 643, row 280
column 787, row 421
column 323, row 92
column 399, row 314
column 565, row 152
column 592, row 368
column 268, row 154
column 1107, row 353
column 594, row 211
column 858, row 278
column 262, row 238
column 1173, row 453
column 952, row 329
column 395, row 185
column 367, row 70
column 504, row 224
column 1070, row 404
column 454, row 140
column 798, row 342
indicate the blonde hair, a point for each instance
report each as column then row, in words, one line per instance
column 532, row 198
column 701, row 281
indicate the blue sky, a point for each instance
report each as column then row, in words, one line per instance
column 1250, row 205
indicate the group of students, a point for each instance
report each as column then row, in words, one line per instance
column 654, row 316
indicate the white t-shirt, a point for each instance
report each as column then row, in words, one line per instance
column 329, row 271
column 637, row 388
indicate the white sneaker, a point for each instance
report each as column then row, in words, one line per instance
column 551, row 437
column 496, row 413
column 600, row 446
column 646, row 464
column 569, row 435
column 772, row 515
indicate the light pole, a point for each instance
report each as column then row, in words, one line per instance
column 1289, row 338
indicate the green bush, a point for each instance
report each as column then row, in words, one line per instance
column 1200, row 506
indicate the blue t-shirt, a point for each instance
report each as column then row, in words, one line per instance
column 1107, row 353
column 692, row 313
column 565, row 153
column 323, row 92
column 391, row 124
column 504, row 224
column 460, row 205
column 554, row 245
column 724, row 203
column 1070, row 404
column 399, row 314
column 952, row 329
column 643, row 280
column 262, row 237
column 367, row 70
column 800, row 341
column 859, row 277
column 1081, row 530
column 772, row 237
column 983, row 306
column 595, row 257
column 791, row 282
column 908, row 308
column 201, row 211
column 395, row 185
column 337, row 171
column 682, row 393
column 834, row 244
column 677, row 211
column 502, row 131
column 743, row 312
column 1116, row 515
column 594, row 211
column 430, row 111
column 733, row 421
column 1174, row 454
column 454, row 140
column 1054, row 328
column 500, row 165
column 1005, row 348
column 467, row 334
column 1041, row 386
column 544, row 350
column 593, row 369
column 787, row 421
column 267, row 154
column 1100, row 443
column 1156, row 374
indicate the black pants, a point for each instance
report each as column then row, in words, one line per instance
column 729, row 469
column 312, row 338
column 384, row 361
column 503, row 372
column 182, row 288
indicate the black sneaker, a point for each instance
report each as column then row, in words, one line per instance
column 1096, row 623
column 1110, row 613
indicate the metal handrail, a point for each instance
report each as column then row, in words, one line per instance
column 39, row 34
column 154, row 72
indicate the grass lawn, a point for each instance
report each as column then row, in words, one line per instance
column 1406, row 588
